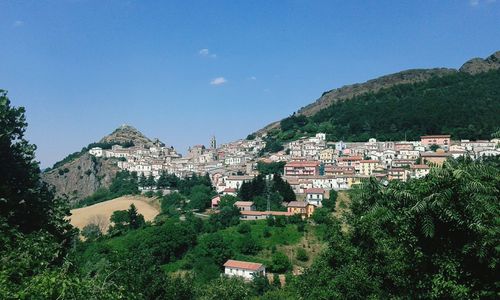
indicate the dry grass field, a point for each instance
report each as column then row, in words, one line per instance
column 101, row 212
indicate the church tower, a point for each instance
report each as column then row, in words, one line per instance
column 213, row 143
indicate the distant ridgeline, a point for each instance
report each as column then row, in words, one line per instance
column 463, row 105
column 75, row 155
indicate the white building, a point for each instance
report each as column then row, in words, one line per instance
column 96, row 151
column 315, row 196
column 243, row 269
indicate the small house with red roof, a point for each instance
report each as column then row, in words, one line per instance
column 243, row 269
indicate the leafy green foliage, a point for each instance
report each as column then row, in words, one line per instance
column 302, row 254
column 434, row 237
column 270, row 168
column 34, row 235
column 280, row 263
column 256, row 191
column 124, row 220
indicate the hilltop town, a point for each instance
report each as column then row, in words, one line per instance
column 312, row 166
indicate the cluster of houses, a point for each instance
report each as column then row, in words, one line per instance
column 232, row 158
column 312, row 165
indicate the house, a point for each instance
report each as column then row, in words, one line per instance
column 348, row 161
column 437, row 158
column 215, row 202
column 229, row 191
column 327, row 155
column 302, row 168
column 248, row 215
column 335, row 170
column 442, row 141
column 236, row 181
column 398, row 174
column 419, row 171
column 243, row 269
column 245, row 205
column 366, row 167
column 315, row 196
column 302, row 208
column 96, row 151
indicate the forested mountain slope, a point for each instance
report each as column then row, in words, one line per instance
column 463, row 105
column 348, row 92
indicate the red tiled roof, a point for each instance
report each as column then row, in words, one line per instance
column 237, row 264
column 264, row 213
column 344, row 158
column 229, row 190
column 432, row 154
column 302, row 164
column 420, row 167
column 297, row 204
column 435, row 136
column 368, row 161
column 315, row 191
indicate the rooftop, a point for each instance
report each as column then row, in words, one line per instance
column 237, row 264
column 302, row 204
column 315, row 191
column 243, row 203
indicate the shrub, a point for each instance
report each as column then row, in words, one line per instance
column 302, row 255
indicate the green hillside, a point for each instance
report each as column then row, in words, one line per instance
column 463, row 105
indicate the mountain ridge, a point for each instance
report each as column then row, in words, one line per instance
column 472, row 66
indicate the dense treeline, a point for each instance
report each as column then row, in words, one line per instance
column 259, row 190
column 431, row 238
column 463, row 105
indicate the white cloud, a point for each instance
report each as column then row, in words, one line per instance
column 252, row 78
column 218, row 81
column 206, row 53
column 17, row 23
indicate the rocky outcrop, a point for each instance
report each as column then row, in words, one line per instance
column 85, row 174
column 81, row 177
column 478, row 65
column 125, row 134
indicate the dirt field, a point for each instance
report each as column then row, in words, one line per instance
column 101, row 212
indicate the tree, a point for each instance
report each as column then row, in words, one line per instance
column 433, row 237
column 26, row 203
column 302, row 254
column 136, row 220
column 150, row 182
column 248, row 245
column 232, row 288
column 280, row 263
column 143, row 181
column 434, row 147
column 321, row 215
column 331, row 202
column 34, row 234
column 91, row 232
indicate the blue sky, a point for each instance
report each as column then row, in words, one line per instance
column 185, row 70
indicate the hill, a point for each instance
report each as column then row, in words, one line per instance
column 348, row 92
column 79, row 174
column 101, row 212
